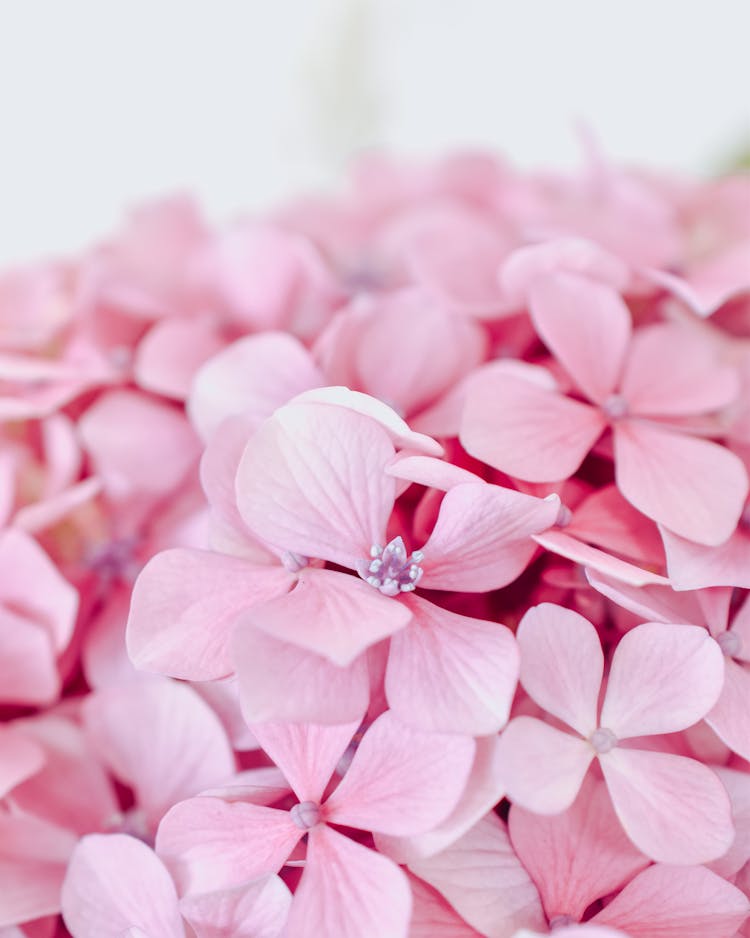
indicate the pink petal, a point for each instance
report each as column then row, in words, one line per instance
column 543, row 767
column 402, row 436
column 252, row 376
column 172, row 351
column 578, row 856
column 143, row 895
column 561, row 664
column 694, row 487
column 430, row 472
column 33, row 859
column 331, row 614
column 209, row 844
column 483, row 879
column 674, row 809
column 562, row 544
column 258, row 910
column 477, row 662
column 673, row 371
column 28, row 669
column 663, row 679
column 281, row 681
column 306, row 753
column 694, row 566
column 401, row 781
column 729, row 717
column 184, row 606
column 312, row 481
column 348, row 891
column 652, row 602
column 159, row 738
column 523, row 429
column 586, row 325
column 432, row 917
column 20, row 758
column 677, row 902
column 482, row 537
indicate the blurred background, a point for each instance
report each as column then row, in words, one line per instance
column 243, row 102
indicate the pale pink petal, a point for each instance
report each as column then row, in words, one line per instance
column 694, row 487
column 543, row 767
column 115, row 882
column 586, row 325
column 348, row 891
column 729, row 717
column 737, row 784
column 127, row 433
column 483, row 879
column 40, row 516
column 159, row 738
column 693, row 566
column 477, row 662
column 33, row 587
column 33, row 859
column 674, row 809
column 482, row 538
column 562, row 544
column 578, row 856
column 306, row 753
column 184, row 606
column 253, row 376
column 673, row 371
column 28, row 669
column 398, row 430
column 432, row 917
column 312, row 481
column 172, row 351
column 663, row 679
column 401, row 781
column 331, row 614
column 430, row 472
column 281, row 681
column 653, row 602
column 561, row 664
column 526, row 430
column 677, row 902
column 209, row 844
column 258, row 910
column 20, row 758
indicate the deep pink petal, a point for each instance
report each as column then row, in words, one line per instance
column 578, row 856
column 185, row 604
column 401, row 781
column 252, row 376
column 543, row 767
column 258, row 910
column 116, row 882
column 673, row 808
column 482, row 537
column 586, row 325
column 281, row 681
column 561, row 664
column 663, row 679
column 694, row 487
column 331, row 614
column 348, row 891
column 306, row 753
column 312, row 481
column 477, row 662
column 161, row 739
column 209, row 844
column 483, row 879
column 677, row 902
column 526, row 430
column 673, row 370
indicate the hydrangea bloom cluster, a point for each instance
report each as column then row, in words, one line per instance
column 380, row 568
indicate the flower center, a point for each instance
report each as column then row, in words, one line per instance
column 391, row 570
column 730, row 644
column 603, row 740
column 306, row 815
column 615, row 406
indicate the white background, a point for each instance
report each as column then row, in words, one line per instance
column 105, row 102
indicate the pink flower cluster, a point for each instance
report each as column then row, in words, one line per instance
column 380, row 568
